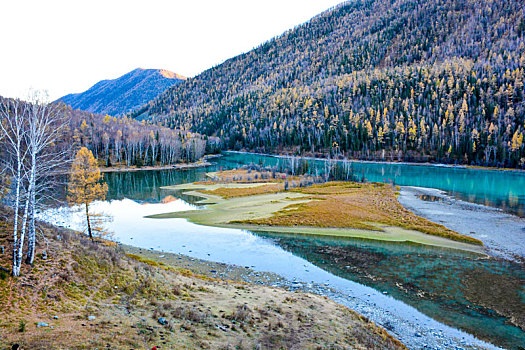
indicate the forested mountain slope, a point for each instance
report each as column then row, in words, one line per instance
column 438, row 80
column 124, row 94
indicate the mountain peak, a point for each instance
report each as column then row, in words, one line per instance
column 170, row 75
column 123, row 94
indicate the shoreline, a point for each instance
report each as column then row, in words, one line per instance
column 180, row 166
column 92, row 295
column 411, row 327
column 203, row 162
column 500, row 231
column 440, row 165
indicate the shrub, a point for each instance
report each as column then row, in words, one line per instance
column 22, row 326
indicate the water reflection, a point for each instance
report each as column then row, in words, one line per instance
column 146, row 185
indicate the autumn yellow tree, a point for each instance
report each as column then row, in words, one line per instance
column 84, row 183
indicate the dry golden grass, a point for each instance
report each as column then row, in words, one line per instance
column 128, row 293
column 333, row 204
column 355, row 205
column 245, row 191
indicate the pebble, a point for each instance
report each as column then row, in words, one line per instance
column 163, row 321
column 55, row 317
column 222, row 328
column 91, row 317
column 42, row 324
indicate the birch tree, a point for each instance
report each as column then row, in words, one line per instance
column 12, row 113
column 30, row 132
column 45, row 123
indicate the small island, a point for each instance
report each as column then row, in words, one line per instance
column 261, row 200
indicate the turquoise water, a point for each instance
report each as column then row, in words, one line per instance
column 500, row 189
column 464, row 290
column 457, row 288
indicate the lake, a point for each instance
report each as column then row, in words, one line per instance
column 484, row 297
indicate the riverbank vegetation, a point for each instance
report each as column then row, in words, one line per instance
column 80, row 294
column 38, row 140
column 274, row 200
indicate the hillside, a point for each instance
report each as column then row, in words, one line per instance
column 124, row 94
column 118, row 141
column 437, row 80
column 89, row 295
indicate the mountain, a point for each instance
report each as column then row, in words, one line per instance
column 124, row 94
column 426, row 80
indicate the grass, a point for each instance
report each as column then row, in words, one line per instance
column 355, row 205
column 245, row 191
column 364, row 210
column 129, row 292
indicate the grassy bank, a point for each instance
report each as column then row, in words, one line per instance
column 88, row 295
column 261, row 203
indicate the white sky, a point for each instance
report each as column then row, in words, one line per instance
column 67, row 46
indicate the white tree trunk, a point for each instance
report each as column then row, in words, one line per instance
column 31, row 234
column 18, row 183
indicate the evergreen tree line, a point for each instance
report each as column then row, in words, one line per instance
column 433, row 80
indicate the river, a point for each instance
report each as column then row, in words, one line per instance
column 424, row 295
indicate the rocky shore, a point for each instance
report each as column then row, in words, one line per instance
column 416, row 331
column 502, row 234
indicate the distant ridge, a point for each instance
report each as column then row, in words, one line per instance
column 124, row 94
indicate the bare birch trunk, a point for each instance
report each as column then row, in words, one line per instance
column 31, row 235
column 30, row 258
column 16, row 268
column 23, row 228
